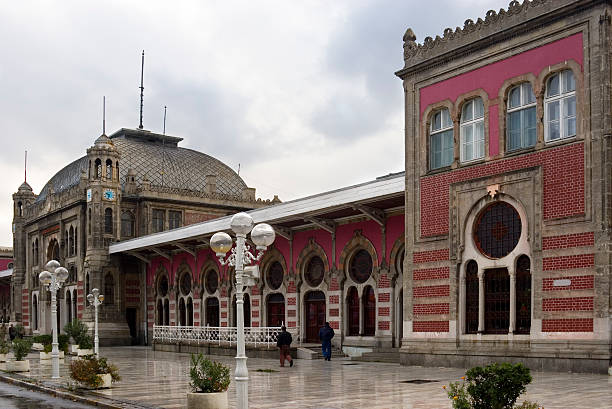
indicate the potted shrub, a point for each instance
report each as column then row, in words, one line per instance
column 4, row 350
column 21, row 348
column 209, row 381
column 62, row 341
column 85, row 345
column 94, row 373
column 39, row 341
column 75, row 330
column 46, row 352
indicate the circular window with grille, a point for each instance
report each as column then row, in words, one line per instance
column 185, row 283
column 212, row 281
column 314, row 271
column 497, row 230
column 275, row 275
column 361, row 267
column 162, row 288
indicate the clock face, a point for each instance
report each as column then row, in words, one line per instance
column 89, row 195
column 109, row 194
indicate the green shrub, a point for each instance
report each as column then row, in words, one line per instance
column 19, row 331
column 47, row 348
column 21, row 348
column 62, row 340
column 85, row 342
column 208, row 376
column 45, row 339
column 76, row 329
column 4, row 345
column 496, row 386
column 87, row 369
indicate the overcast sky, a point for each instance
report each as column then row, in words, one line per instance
column 301, row 94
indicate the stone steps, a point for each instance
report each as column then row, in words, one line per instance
column 390, row 355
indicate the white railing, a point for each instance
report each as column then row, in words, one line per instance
column 172, row 334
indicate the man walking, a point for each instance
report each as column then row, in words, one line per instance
column 326, row 334
column 283, row 343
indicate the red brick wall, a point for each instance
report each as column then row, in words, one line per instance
column 567, row 262
column 430, row 326
column 431, row 291
column 568, row 325
column 563, row 186
column 568, row 241
column 334, row 299
column 431, row 255
column 382, row 297
column 384, row 325
column 431, row 273
column 425, row 309
column 568, row 304
column 384, row 311
column 577, row 283
column 383, row 281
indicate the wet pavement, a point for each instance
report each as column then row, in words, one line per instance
column 16, row 397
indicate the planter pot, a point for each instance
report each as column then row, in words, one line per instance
column 217, row 400
column 73, row 349
column 3, row 357
column 106, row 380
column 45, row 355
column 37, row 346
column 18, row 366
column 83, row 352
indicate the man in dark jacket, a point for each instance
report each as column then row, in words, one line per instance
column 12, row 332
column 326, row 334
column 283, row 343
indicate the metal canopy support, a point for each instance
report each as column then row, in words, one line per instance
column 186, row 249
column 284, row 232
column 375, row 214
column 161, row 253
column 327, row 225
column 139, row 256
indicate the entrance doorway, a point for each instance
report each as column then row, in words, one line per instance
column 131, row 318
column 212, row 312
column 315, row 314
column 276, row 310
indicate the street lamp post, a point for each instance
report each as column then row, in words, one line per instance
column 241, row 258
column 95, row 299
column 53, row 279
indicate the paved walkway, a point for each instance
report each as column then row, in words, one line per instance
column 160, row 379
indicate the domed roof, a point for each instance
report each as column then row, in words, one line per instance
column 158, row 159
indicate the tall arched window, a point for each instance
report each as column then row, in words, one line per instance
column 71, row 242
column 35, row 312
column 275, row 275
column 76, row 241
column 109, row 169
column 212, row 312
column 523, row 295
column 127, row 224
column 352, row 303
column 441, row 144
column 276, row 310
column 66, row 244
column 89, row 221
column 166, row 312
column 315, row 271
column 98, row 164
column 560, row 106
column 182, row 312
column 86, row 284
column 189, row 312
column 471, row 297
column 160, row 313
column 472, row 130
column 109, row 289
column 521, row 119
column 68, row 306
column 108, row 221
column 369, row 311
column 117, row 169
column 74, row 304
column 360, row 267
column 19, row 208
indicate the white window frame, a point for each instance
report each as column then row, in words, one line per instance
column 562, row 97
column 434, row 132
column 523, row 105
column 472, row 123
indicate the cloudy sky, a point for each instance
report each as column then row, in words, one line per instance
column 301, row 94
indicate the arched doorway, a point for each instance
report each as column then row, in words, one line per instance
column 68, row 307
column 35, row 312
column 314, row 303
column 182, row 312
column 212, row 312
column 369, row 311
column 189, row 312
column 352, row 308
column 276, row 310
column 246, row 309
column 166, row 312
column 160, row 313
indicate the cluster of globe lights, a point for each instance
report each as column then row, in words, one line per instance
column 53, row 268
column 262, row 234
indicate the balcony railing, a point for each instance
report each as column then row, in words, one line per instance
column 254, row 336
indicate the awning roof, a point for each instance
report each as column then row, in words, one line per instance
column 370, row 198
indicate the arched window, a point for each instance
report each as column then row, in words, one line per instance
column 117, row 169
column 109, row 169
column 315, row 271
column 162, row 288
column 160, row 313
column 166, row 312
column 497, row 301
column 352, row 304
column 19, row 208
column 68, row 307
column 523, row 295
column 86, row 284
column 71, row 242
column 497, row 230
column 108, row 221
column 471, row 297
column 212, row 311
column 34, row 262
column 276, row 310
column 189, row 312
column 360, row 267
column 472, row 130
column 89, row 221
column 35, row 312
column 98, row 164
column 275, row 275
column 212, row 281
column 127, row 224
column 109, row 289
column 560, row 106
column 36, row 253
column 74, row 304
column 441, row 143
column 53, row 251
column 185, row 284
column 182, row 312
column 369, row 311
column 521, row 119
column 76, row 241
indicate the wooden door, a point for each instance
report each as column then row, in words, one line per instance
column 315, row 315
column 276, row 310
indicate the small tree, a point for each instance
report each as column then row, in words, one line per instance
column 86, row 371
column 85, row 342
column 76, row 329
column 21, row 348
column 208, row 376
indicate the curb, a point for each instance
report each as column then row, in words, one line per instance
column 112, row 404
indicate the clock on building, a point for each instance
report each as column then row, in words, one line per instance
column 89, row 195
column 109, row 194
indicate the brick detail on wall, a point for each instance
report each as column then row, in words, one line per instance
column 291, row 324
column 334, row 324
column 568, row 262
column 334, row 312
column 291, row 313
column 563, row 186
column 568, row 304
column 431, row 255
column 334, row 299
column 568, row 241
column 291, row 288
column 255, row 314
column 223, row 304
column 384, row 297
column 577, row 283
column 568, row 325
column 255, row 302
column 383, row 281
column 428, row 309
column 439, row 273
column 291, row 301
column 384, row 311
column 384, row 325
column 254, row 290
column 333, row 285
column 431, row 291
column 430, row 326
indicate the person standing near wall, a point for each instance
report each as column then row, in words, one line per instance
column 326, row 333
column 284, row 343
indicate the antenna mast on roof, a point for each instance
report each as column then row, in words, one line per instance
column 141, row 88
column 104, row 115
column 165, row 119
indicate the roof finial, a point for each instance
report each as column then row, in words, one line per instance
column 104, row 115
column 165, row 119
column 141, row 88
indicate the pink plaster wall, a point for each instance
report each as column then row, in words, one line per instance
column 369, row 230
column 300, row 240
column 282, row 245
column 491, row 77
column 394, row 230
column 4, row 263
